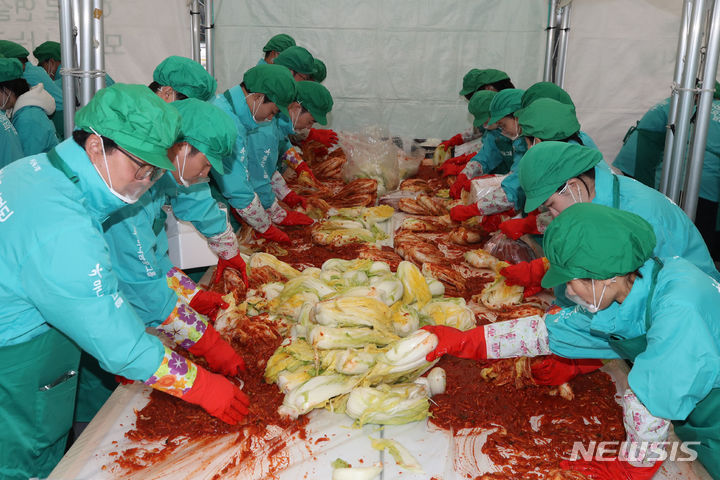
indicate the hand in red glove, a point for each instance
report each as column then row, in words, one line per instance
column 122, row 380
column 451, row 341
column 526, row 274
column 296, row 218
column 454, row 141
column 462, row 183
column 304, row 167
column 293, row 199
column 610, row 469
column 455, row 165
column 218, row 396
column 274, row 234
column 235, row 262
column 208, row 303
column 491, row 223
column 554, row 370
column 221, row 357
column 460, row 213
column 325, row 136
column 517, row 227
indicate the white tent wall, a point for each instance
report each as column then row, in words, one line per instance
column 620, row 62
column 139, row 34
column 398, row 64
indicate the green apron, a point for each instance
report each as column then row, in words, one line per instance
column 38, row 380
column 648, row 155
column 504, row 146
column 703, row 423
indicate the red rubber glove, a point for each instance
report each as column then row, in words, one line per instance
column 527, row 274
column 554, row 370
column 614, row 469
column 491, row 223
column 460, row 213
column 122, row 380
column 221, row 357
column 451, row 341
column 293, row 199
column 274, row 234
column 304, row 167
column 462, row 183
column 455, row 165
column 235, row 262
column 517, row 227
column 454, row 141
column 208, row 303
column 325, row 136
column 218, row 396
column 296, row 218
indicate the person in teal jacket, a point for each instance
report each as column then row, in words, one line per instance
column 557, row 175
column 27, row 108
column 32, row 73
column 641, row 158
column 658, row 312
column 313, row 103
column 178, row 78
column 10, row 146
column 275, row 46
column 59, row 290
column 265, row 90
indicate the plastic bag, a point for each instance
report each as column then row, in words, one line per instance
column 509, row 250
column 371, row 154
column 482, row 186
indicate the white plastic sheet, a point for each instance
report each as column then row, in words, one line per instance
column 138, row 34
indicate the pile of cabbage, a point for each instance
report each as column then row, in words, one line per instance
column 353, row 225
column 355, row 343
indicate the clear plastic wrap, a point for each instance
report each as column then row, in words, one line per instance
column 509, row 250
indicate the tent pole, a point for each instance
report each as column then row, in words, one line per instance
column 195, row 29
column 99, row 44
column 551, row 31
column 209, row 38
column 677, row 78
column 705, row 105
column 68, row 63
column 563, row 45
column 85, row 37
column 686, row 101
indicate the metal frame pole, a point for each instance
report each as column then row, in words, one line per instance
column 98, row 44
column 686, row 101
column 68, row 63
column 195, row 29
column 563, row 45
column 86, row 52
column 209, row 37
column 677, row 78
column 550, row 41
column 705, row 105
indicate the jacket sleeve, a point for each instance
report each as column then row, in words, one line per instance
column 570, row 337
column 235, row 183
column 70, row 280
column 36, row 131
column 195, row 204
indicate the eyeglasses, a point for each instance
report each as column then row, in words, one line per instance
column 145, row 170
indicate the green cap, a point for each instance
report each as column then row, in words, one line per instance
column 274, row 81
column 479, row 106
column 296, row 59
column 504, row 103
column 10, row 69
column 279, row 42
column 47, row 50
column 595, row 241
column 546, row 90
column 320, row 72
column 207, row 128
column 316, row 99
column 185, row 76
column 475, row 79
column 13, row 50
column 548, row 165
column 548, row 119
column 136, row 119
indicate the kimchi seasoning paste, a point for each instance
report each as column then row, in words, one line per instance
column 533, row 430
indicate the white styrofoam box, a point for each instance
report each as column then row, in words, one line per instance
column 186, row 246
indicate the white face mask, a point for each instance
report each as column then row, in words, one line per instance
column 567, row 188
column 517, row 132
column 255, row 109
column 131, row 197
column 7, row 98
column 182, row 171
column 593, row 307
